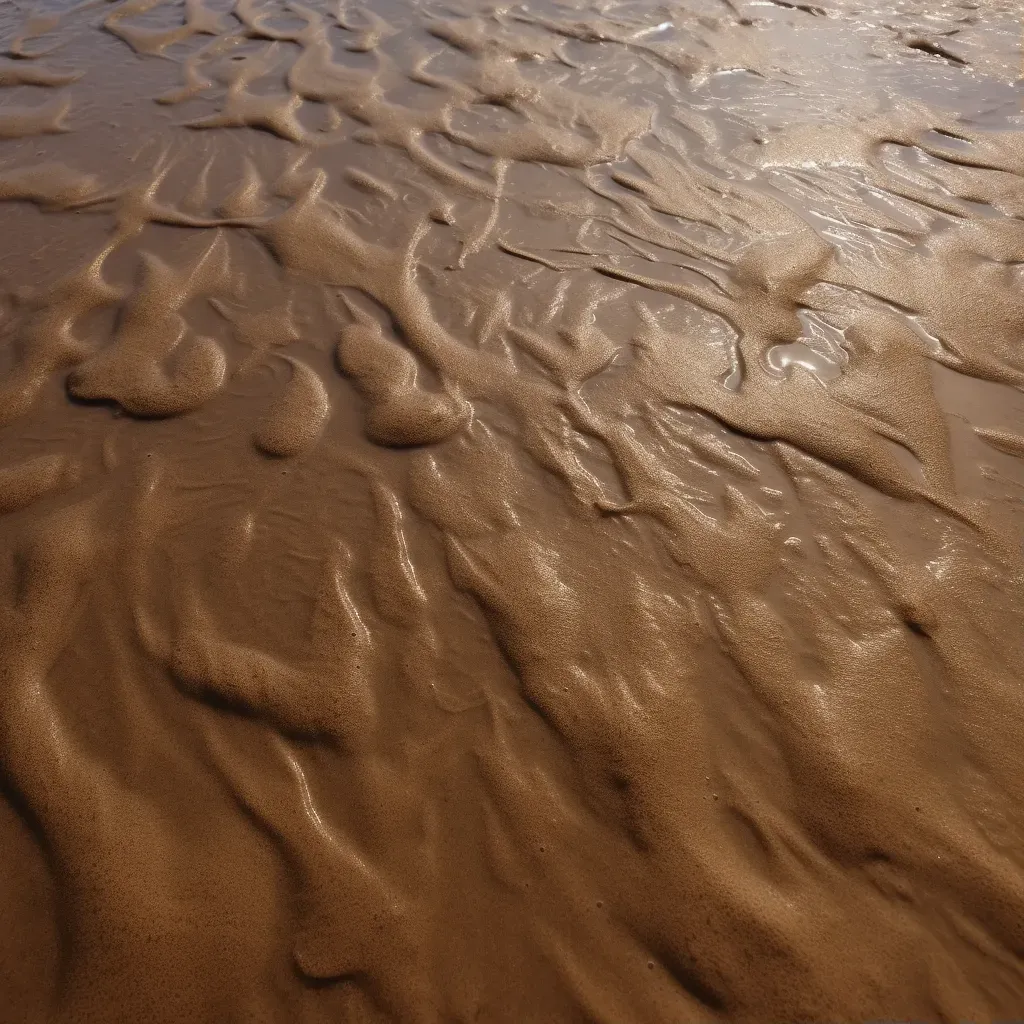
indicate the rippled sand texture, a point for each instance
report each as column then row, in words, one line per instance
column 511, row 513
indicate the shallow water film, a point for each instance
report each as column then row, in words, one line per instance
column 511, row 512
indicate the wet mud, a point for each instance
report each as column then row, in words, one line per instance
column 511, row 512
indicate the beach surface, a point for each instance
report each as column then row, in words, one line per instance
column 511, row 512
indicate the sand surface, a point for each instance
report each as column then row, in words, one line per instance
column 511, row 512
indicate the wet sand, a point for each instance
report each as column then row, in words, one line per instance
column 511, row 513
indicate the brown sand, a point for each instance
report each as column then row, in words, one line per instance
column 511, row 513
